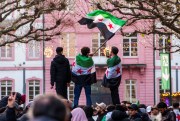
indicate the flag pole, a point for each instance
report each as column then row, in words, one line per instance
column 100, row 47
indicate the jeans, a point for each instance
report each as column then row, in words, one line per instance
column 77, row 92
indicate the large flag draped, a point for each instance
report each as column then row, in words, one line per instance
column 83, row 68
column 82, row 65
column 113, row 73
column 106, row 23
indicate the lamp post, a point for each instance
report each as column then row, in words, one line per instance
column 24, row 76
column 177, row 77
column 24, row 80
column 43, row 20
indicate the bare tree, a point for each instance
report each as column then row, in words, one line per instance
column 160, row 17
column 23, row 20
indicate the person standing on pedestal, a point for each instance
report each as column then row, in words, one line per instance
column 112, row 77
column 83, row 75
column 60, row 73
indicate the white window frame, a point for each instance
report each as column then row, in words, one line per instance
column 6, row 86
column 130, row 85
column 67, row 35
column 130, row 39
column 7, row 46
column 34, row 49
column 99, row 44
column 34, row 85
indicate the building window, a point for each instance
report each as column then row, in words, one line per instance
column 130, row 90
column 6, row 51
column 5, row 88
column 130, row 46
column 163, row 44
column 71, row 92
column 34, row 89
column 68, row 44
column 97, row 41
column 34, row 49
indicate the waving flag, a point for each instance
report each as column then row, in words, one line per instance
column 106, row 23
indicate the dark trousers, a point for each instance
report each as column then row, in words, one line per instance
column 77, row 93
column 115, row 95
column 61, row 89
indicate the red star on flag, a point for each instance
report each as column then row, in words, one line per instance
column 89, row 70
column 118, row 70
column 110, row 26
column 79, row 71
column 101, row 19
column 73, row 64
column 178, row 117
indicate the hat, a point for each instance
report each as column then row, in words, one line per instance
column 102, row 105
column 148, row 109
column 133, row 106
column 23, row 98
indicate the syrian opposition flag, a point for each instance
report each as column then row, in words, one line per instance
column 84, row 67
column 106, row 23
column 113, row 72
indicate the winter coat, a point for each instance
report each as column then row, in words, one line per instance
column 136, row 117
column 3, row 116
column 143, row 114
column 177, row 112
column 43, row 118
column 90, row 119
column 60, row 70
column 11, row 116
column 23, row 118
column 4, row 100
column 100, row 116
column 168, row 116
column 118, row 116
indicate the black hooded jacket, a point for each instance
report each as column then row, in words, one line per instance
column 60, row 70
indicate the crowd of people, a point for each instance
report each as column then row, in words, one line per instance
column 56, row 108
column 59, row 108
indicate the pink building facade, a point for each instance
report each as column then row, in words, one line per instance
column 21, row 65
column 137, row 60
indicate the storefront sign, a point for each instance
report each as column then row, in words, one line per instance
column 165, row 76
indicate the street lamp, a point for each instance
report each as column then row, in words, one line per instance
column 177, row 77
column 24, row 76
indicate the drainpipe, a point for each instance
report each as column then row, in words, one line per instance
column 154, row 71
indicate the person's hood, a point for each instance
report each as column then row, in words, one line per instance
column 43, row 118
column 118, row 115
column 60, row 59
